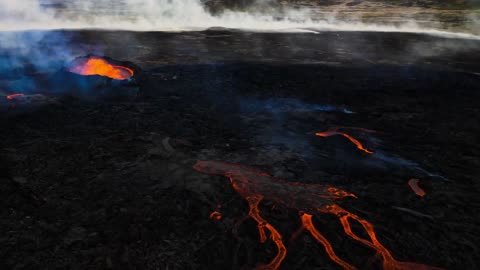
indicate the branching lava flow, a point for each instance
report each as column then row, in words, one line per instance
column 254, row 186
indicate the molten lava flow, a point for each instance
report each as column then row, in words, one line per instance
column 413, row 183
column 99, row 66
column 334, row 131
column 253, row 202
column 308, row 225
column 389, row 262
column 12, row 96
column 254, row 186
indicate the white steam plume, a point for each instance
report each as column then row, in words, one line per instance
column 173, row 15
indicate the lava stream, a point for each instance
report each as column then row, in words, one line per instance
column 99, row 66
column 333, row 132
column 254, row 186
column 308, row 225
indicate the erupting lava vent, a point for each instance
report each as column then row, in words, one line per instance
column 254, row 186
column 100, row 66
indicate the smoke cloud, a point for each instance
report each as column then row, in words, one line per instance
column 179, row 15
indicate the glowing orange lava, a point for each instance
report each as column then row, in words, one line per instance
column 215, row 215
column 334, row 131
column 254, row 186
column 308, row 225
column 413, row 183
column 12, row 96
column 99, row 66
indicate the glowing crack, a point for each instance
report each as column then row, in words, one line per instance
column 336, row 131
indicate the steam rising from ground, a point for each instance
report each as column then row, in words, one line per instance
column 177, row 15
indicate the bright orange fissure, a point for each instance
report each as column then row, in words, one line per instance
column 357, row 143
column 262, row 224
column 99, row 66
column 389, row 263
column 308, row 224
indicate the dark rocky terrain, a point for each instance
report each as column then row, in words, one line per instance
column 105, row 181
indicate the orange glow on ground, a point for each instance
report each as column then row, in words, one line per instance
column 99, row 66
column 334, row 132
column 413, row 183
column 255, row 186
column 12, row 96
